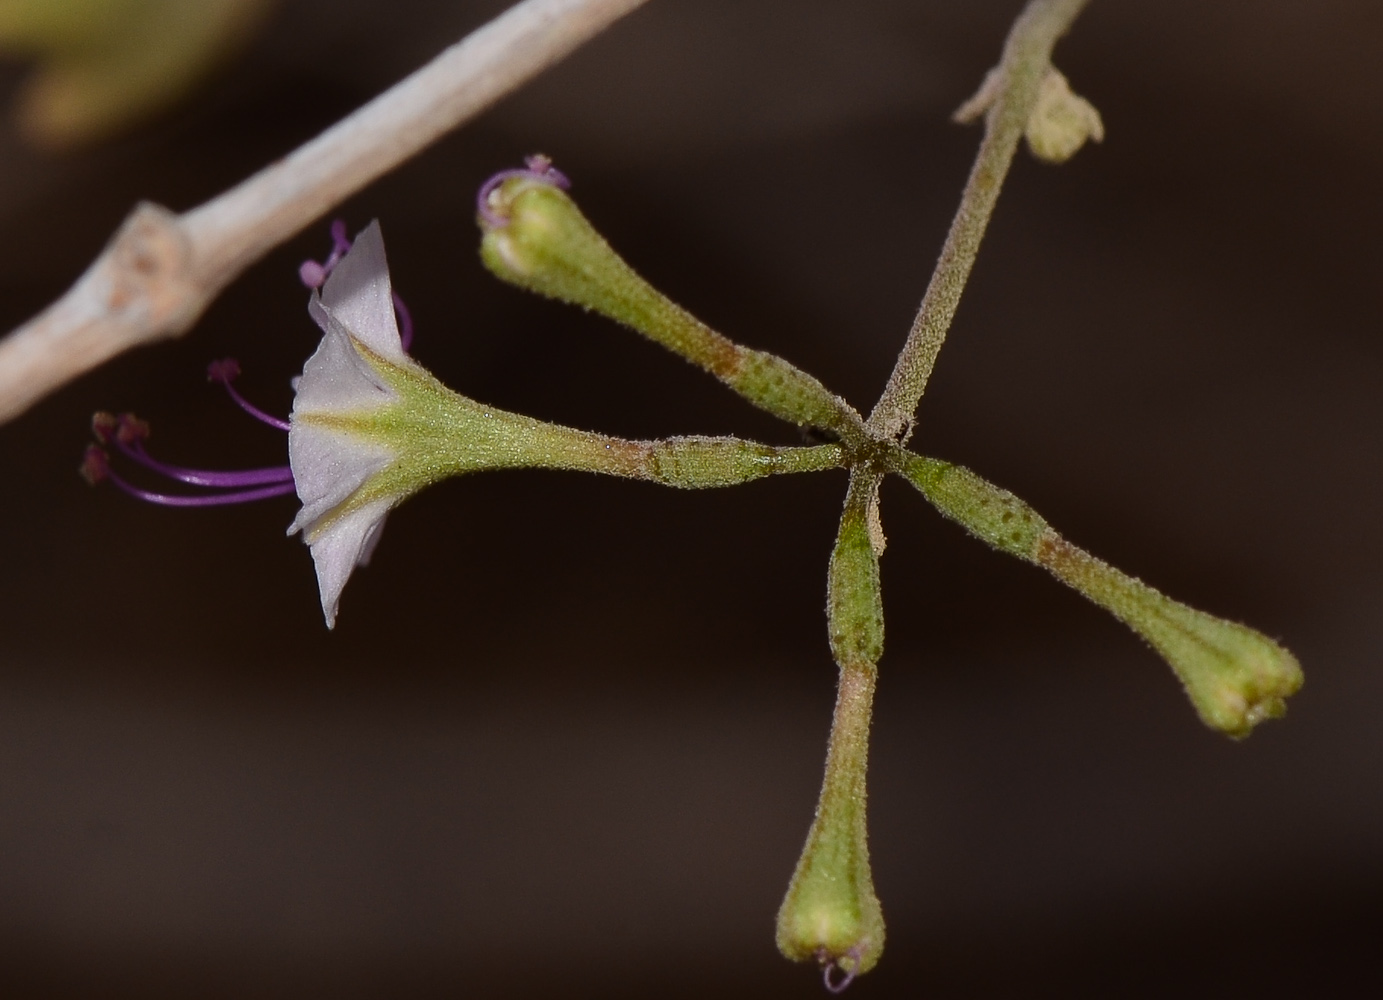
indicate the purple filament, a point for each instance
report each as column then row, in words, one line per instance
column 405, row 319
column 834, row 985
column 314, row 275
column 276, row 474
column 830, row 968
column 205, row 500
column 536, row 168
column 225, row 371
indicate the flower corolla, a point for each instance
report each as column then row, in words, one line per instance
column 334, row 448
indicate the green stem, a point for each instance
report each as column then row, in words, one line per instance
column 1027, row 56
column 1235, row 677
column 436, row 433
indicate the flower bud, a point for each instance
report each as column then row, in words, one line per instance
column 1235, row 677
column 831, row 914
column 535, row 237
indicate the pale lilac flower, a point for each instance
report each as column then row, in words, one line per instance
column 330, row 450
column 332, row 453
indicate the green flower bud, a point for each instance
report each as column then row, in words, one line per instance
column 831, row 914
column 1235, row 677
column 535, row 237
column 371, row 427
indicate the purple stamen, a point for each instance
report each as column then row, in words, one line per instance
column 225, row 371
column 340, row 242
column 96, row 468
column 204, row 500
column 104, row 426
column 537, row 168
column 208, row 477
column 314, row 275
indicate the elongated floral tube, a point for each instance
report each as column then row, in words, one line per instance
column 535, row 237
column 831, row 914
column 417, row 432
column 370, row 427
column 1235, row 677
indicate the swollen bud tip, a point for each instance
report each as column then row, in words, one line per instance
column 493, row 200
column 1235, row 676
column 830, row 914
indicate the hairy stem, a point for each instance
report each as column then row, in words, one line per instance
column 543, row 243
column 1027, row 56
column 1235, row 677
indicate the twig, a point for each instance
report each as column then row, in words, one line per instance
column 1027, row 56
column 161, row 270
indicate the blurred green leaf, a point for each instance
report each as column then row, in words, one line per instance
column 104, row 65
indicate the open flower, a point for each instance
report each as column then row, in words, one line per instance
column 333, row 449
column 370, row 427
column 335, row 442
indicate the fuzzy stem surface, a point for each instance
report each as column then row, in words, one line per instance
column 1026, row 59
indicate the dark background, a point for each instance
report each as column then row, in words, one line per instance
column 567, row 735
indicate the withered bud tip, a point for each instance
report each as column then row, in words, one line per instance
column 94, row 467
column 227, row 368
column 104, row 425
column 131, row 429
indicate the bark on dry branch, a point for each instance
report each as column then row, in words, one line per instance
column 161, row 270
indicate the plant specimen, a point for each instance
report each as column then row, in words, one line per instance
column 370, row 427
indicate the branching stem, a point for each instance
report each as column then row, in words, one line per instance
column 1027, row 55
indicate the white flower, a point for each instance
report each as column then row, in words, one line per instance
column 331, row 449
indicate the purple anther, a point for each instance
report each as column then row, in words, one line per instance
column 536, row 168
column 103, row 426
column 224, row 371
column 542, row 168
column 95, row 465
column 128, row 433
column 130, row 429
column 314, row 275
